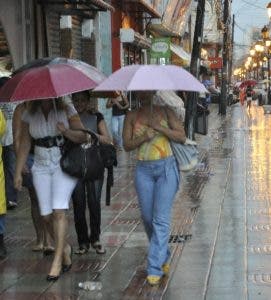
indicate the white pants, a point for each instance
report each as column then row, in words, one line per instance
column 53, row 188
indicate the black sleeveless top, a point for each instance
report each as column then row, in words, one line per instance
column 91, row 120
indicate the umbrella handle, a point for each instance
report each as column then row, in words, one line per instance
column 54, row 104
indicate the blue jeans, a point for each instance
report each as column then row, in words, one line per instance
column 156, row 183
column 2, row 224
column 117, row 126
column 9, row 161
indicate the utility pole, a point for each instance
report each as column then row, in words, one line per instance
column 191, row 108
column 231, row 51
column 223, row 100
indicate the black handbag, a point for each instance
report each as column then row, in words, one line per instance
column 84, row 160
column 109, row 156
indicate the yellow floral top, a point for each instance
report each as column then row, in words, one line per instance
column 157, row 148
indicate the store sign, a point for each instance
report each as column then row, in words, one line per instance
column 160, row 48
column 215, row 62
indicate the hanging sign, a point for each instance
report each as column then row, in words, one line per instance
column 160, row 48
column 215, row 62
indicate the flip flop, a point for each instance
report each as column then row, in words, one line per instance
column 37, row 248
column 98, row 247
column 83, row 249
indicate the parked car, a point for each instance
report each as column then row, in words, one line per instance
column 260, row 93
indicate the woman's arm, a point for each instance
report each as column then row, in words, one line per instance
column 103, row 136
column 16, row 126
column 72, row 133
column 22, row 153
column 126, row 103
column 175, row 131
column 129, row 141
column 109, row 103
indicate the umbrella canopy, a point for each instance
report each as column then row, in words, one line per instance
column 150, row 78
column 48, row 78
column 237, row 84
column 246, row 83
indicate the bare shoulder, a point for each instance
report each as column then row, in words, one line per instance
column 19, row 109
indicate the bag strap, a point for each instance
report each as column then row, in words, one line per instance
column 109, row 184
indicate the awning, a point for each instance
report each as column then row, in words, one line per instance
column 140, row 6
column 179, row 51
column 129, row 35
column 103, row 4
column 161, row 30
column 79, row 5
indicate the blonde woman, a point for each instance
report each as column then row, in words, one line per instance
column 46, row 125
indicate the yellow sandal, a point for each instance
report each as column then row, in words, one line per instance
column 153, row 279
column 166, row 268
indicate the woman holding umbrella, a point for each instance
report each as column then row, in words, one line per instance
column 46, row 122
column 156, row 176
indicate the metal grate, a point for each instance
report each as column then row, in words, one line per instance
column 126, row 221
column 179, row 238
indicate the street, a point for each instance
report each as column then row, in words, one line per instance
column 220, row 237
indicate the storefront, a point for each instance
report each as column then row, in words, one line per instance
column 173, row 26
column 129, row 41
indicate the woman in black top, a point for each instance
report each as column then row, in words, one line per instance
column 89, row 192
column 119, row 107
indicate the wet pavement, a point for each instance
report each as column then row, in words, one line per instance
column 220, row 238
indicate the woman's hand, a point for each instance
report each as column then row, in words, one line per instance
column 25, row 169
column 18, row 181
column 155, row 123
column 61, row 127
column 149, row 134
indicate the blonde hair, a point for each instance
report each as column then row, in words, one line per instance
column 32, row 106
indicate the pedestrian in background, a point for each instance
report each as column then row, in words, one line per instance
column 148, row 130
column 47, row 122
column 119, row 107
column 8, row 154
column 3, row 251
column 249, row 93
column 43, row 241
column 87, row 193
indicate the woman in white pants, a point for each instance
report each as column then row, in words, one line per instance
column 47, row 126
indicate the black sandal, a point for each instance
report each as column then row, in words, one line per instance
column 48, row 250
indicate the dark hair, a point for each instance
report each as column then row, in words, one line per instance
column 3, row 80
column 83, row 93
column 203, row 70
column 33, row 106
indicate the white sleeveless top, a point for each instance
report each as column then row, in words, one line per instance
column 39, row 127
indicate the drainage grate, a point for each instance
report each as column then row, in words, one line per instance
column 179, row 238
column 126, row 221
